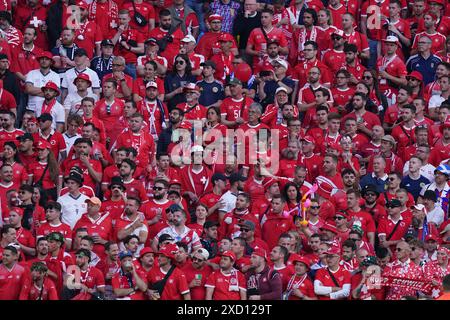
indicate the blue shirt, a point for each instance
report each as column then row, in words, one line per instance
column 174, row 81
column 414, row 186
column 371, row 179
column 210, row 92
column 426, row 67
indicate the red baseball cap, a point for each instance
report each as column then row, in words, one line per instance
column 225, row 37
column 83, row 5
column 43, row 144
column 19, row 211
column 334, row 250
column 324, row 189
column 191, row 87
column 51, row 85
column 229, row 254
column 441, row 2
column 431, row 237
column 268, row 182
column 144, row 251
column 169, row 250
column 298, row 258
column 215, row 17
column 335, row 146
column 83, row 76
column 329, row 227
column 415, row 74
column 308, row 139
column 260, row 252
column 45, row 54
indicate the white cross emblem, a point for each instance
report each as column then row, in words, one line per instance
column 35, row 22
column 113, row 24
column 203, row 180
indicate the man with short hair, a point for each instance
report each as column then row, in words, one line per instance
column 54, row 224
column 13, row 274
column 332, row 282
column 424, row 61
column 226, row 283
column 129, row 283
column 414, row 181
column 278, row 256
column 39, row 286
column 197, row 273
column 73, row 203
column 404, row 268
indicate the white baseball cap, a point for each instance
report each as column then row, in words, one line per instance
column 188, row 38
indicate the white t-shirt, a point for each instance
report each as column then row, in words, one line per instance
column 72, row 208
column 435, row 101
column 72, row 103
column 230, row 201
column 427, row 171
column 436, row 215
column 71, row 74
column 70, row 140
column 57, row 112
column 37, row 79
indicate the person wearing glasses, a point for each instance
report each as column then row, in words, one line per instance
column 404, row 268
column 176, row 80
column 303, row 68
column 197, row 272
column 208, row 44
column 424, row 61
column 314, row 81
column 334, row 58
column 332, row 282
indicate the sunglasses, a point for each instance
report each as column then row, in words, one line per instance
column 367, row 77
column 180, row 62
column 158, row 188
column 315, row 207
column 339, row 218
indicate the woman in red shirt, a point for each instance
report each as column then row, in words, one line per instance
column 11, row 157
column 45, row 171
column 201, row 211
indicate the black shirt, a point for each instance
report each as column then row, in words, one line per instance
column 243, row 26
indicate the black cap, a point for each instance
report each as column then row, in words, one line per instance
column 394, row 203
column 116, row 181
column 209, row 63
column 370, row 188
column 218, row 176
column 210, row 224
column 25, row 136
column 174, row 208
column 53, row 205
column 107, row 42
column 236, row 177
column 75, row 177
column 45, row 117
column 165, row 237
column 76, row 169
column 430, row 195
column 80, row 52
column 151, row 40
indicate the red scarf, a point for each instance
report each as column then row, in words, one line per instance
column 47, row 108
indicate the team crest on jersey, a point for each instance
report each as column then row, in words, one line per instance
column 215, row 89
column 52, row 142
column 233, row 281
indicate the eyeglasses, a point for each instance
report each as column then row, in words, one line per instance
column 158, row 188
column 367, row 77
column 315, row 207
column 180, row 62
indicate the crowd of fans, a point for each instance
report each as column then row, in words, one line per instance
column 224, row 150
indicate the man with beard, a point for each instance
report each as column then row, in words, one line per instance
column 278, row 256
column 229, row 198
column 197, row 273
column 39, row 286
column 33, row 14
column 193, row 111
column 230, row 223
column 58, row 259
column 91, row 281
column 176, row 288
column 8, row 132
column 12, row 34
column 131, row 222
column 334, row 58
column 134, row 187
column 303, row 68
column 352, row 64
column 138, row 139
column 370, row 195
column 176, row 117
column 64, row 54
column 180, row 232
column 155, row 209
column 208, row 43
column 155, row 112
column 146, row 259
column 26, row 55
column 271, row 115
column 51, row 106
column 365, row 120
column 168, row 37
column 263, row 283
column 329, row 172
column 25, row 240
column 13, row 275
column 109, row 266
column 128, row 283
column 306, row 95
